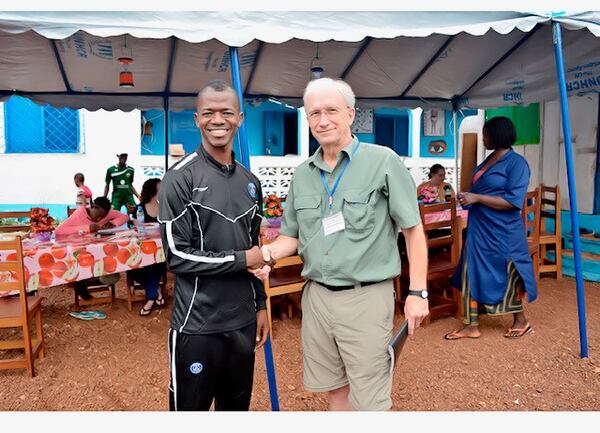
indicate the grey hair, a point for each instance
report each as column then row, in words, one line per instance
column 329, row 83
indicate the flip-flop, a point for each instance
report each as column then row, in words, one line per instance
column 97, row 314
column 160, row 302
column 455, row 335
column 147, row 311
column 520, row 332
column 82, row 315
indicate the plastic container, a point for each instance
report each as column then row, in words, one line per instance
column 140, row 219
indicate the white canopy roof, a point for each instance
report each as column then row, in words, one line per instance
column 476, row 59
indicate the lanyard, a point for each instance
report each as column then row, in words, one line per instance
column 331, row 192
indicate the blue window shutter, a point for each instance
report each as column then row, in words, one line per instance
column 23, row 126
column 61, row 130
column 31, row 128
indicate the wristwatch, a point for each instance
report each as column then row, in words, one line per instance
column 420, row 293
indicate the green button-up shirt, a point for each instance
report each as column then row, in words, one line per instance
column 376, row 195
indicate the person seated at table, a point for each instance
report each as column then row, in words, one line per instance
column 435, row 189
column 89, row 220
column 149, row 276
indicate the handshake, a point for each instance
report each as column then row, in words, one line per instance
column 259, row 261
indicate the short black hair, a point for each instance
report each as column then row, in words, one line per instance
column 79, row 176
column 501, row 132
column 102, row 202
column 434, row 169
column 218, row 86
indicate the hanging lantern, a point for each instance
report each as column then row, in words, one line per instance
column 126, row 59
column 126, row 79
column 316, row 70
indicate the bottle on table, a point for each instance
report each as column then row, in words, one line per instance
column 140, row 219
column 447, row 193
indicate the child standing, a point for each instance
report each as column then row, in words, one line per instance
column 84, row 195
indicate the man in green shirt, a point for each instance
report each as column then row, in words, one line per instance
column 342, row 214
column 121, row 176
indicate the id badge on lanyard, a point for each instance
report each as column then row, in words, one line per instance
column 334, row 222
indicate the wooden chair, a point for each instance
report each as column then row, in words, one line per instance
column 284, row 279
column 18, row 312
column 550, row 210
column 15, row 227
column 531, row 220
column 133, row 287
column 444, row 254
column 107, row 291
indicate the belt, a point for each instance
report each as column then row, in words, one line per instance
column 340, row 288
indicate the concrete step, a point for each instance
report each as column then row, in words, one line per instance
column 589, row 243
column 590, row 264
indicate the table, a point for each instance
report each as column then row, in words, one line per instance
column 76, row 258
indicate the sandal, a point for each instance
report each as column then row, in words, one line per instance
column 160, row 302
column 97, row 314
column 456, row 335
column 147, row 311
column 82, row 315
column 518, row 332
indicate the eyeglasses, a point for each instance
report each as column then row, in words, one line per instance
column 316, row 114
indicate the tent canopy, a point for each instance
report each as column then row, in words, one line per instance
column 469, row 59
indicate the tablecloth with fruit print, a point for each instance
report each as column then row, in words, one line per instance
column 76, row 258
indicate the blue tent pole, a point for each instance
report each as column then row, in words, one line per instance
column 236, row 78
column 166, row 105
column 245, row 157
column 566, row 123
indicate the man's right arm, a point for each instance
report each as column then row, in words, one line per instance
column 106, row 189
column 281, row 247
column 286, row 243
column 177, row 221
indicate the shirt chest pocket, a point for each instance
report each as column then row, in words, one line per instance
column 308, row 212
column 358, row 211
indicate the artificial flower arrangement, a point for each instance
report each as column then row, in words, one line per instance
column 40, row 221
column 272, row 206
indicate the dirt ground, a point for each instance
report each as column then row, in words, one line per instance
column 121, row 363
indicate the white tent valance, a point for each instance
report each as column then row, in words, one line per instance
column 471, row 59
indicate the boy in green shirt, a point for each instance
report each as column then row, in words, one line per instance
column 122, row 177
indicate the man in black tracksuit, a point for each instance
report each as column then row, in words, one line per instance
column 210, row 210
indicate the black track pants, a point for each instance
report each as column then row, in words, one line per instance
column 212, row 366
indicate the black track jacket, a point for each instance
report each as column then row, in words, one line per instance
column 209, row 215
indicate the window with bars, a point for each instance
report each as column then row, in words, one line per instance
column 31, row 128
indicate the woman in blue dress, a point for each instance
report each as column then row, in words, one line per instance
column 495, row 272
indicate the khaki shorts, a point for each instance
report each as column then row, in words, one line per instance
column 345, row 335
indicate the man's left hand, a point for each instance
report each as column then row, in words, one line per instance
column 108, row 225
column 262, row 328
column 415, row 310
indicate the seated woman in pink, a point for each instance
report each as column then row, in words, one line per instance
column 436, row 189
column 89, row 220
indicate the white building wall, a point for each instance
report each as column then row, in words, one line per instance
column 583, row 112
column 48, row 178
